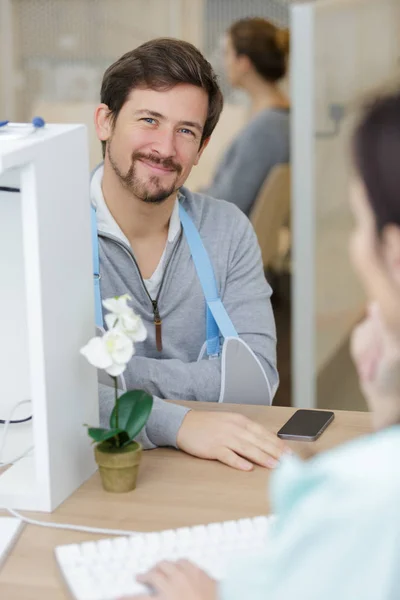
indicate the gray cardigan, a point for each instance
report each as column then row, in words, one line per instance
column 175, row 373
column 263, row 143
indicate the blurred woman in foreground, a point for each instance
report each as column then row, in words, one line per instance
column 337, row 531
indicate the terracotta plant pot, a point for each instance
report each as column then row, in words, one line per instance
column 118, row 466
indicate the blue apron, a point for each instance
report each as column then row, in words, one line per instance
column 218, row 321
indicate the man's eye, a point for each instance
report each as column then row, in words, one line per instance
column 149, row 120
column 186, row 131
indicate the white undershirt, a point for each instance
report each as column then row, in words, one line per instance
column 107, row 224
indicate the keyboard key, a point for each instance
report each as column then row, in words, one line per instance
column 69, row 554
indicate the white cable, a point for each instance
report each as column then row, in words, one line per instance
column 47, row 523
column 6, row 426
column 68, row 526
column 17, row 458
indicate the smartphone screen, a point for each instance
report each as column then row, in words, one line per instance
column 306, row 425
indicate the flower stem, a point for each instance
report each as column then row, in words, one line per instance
column 116, row 402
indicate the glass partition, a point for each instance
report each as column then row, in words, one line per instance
column 342, row 52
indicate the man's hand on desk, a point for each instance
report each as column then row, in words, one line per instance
column 231, row 438
column 178, row 581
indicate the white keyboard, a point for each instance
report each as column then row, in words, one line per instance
column 107, row 569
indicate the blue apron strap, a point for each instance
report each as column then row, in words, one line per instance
column 217, row 318
column 96, row 268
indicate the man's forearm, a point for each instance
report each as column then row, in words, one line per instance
column 162, row 427
column 172, row 378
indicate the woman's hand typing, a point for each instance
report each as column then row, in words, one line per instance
column 180, row 580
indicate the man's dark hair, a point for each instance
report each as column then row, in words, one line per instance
column 160, row 64
column 376, row 148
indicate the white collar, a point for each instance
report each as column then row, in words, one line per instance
column 106, row 222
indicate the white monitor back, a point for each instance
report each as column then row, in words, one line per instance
column 14, row 354
column 46, row 314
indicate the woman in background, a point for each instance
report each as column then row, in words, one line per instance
column 256, row 55
column 337, row 530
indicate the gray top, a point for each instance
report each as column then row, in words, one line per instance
column 175, row 372
column 263, row 143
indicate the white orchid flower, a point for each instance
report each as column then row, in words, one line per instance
column 122, row 318
column 129, row 324
column 110, row 352
column 118, row 305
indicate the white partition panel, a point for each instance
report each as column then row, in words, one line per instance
column 46, row 314
column 342, row 51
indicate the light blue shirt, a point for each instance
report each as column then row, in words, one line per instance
column 337, row 531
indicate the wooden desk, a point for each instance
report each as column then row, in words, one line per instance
column 174, row 490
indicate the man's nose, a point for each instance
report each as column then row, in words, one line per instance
column 164, row 143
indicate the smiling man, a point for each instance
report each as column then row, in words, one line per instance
column 159, row 106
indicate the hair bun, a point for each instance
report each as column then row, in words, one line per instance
column 283, row 40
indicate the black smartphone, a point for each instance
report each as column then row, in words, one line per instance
column 306, row 425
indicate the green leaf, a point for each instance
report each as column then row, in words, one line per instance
column 134, row 408
column 99, row 434
column 124, row 438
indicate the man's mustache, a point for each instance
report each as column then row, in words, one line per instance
column 166, row 163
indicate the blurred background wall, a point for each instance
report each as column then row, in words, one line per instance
column 54, row 53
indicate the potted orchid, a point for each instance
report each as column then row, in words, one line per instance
column 116, row 452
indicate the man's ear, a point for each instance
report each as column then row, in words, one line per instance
column 391, row 249
column 102, row 122
column 201, row 150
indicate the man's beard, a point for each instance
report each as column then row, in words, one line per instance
column 140, row 189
